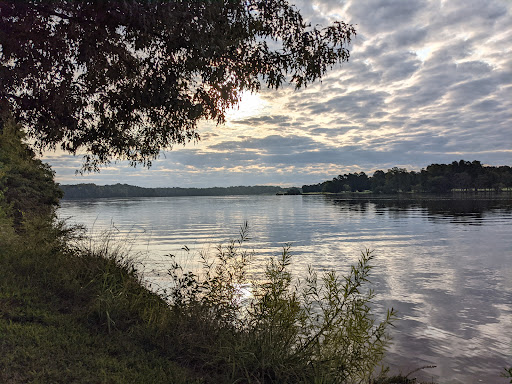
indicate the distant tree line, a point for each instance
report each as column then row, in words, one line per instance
column 436, row 178
column 87, row 191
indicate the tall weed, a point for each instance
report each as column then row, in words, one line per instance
column 110, row 275
column 508, row 374
column 321, row 330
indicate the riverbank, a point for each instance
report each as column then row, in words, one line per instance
column 93, row 191
column 69, row 316
column 80, row 311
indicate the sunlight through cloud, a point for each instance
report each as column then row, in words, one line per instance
column 251, row 105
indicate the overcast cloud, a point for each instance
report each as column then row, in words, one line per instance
column 427, row 82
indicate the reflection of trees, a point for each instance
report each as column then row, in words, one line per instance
column 353, row 205
column 464, row 211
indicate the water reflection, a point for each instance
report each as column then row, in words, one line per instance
column 444, row 265
column 464, row 211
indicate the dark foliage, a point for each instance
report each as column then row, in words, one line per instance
column 26, row 183
column 124, row 79
column 90, row 191
column 460, row 175
column 293, row 191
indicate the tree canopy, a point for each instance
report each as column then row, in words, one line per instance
column 125, row 79
column 436, row 178
column 93, row 191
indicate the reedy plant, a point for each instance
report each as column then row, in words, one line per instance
column 508, row 374
column 321, row 330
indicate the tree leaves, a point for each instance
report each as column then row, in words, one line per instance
column 123, row 80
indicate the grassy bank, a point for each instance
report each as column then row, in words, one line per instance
column 77, row 317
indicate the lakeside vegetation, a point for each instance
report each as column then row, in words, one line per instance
column 460, row 176
column 93, row 191
column 75, row 313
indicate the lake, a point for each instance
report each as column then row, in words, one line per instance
column 444, row 265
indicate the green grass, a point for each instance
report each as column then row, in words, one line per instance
column 67, row 317
column 43, row 344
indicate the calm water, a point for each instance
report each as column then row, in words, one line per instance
column 446, row 266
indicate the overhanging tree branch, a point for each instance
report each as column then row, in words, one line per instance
column 123, row 80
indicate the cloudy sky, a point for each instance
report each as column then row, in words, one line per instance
column 428, row 82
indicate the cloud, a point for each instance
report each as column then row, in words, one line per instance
column 409, row 36
column 279, row 120
column 383, row 15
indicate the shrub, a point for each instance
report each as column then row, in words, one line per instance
column 321, row 330
column 27, row 187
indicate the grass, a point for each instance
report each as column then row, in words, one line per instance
column 76, row 317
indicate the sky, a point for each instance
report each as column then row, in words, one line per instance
column 427, row 82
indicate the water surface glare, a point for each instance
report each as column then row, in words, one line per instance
column 445, row 265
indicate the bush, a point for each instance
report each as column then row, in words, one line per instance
column 27, row 187
column 321, row 330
